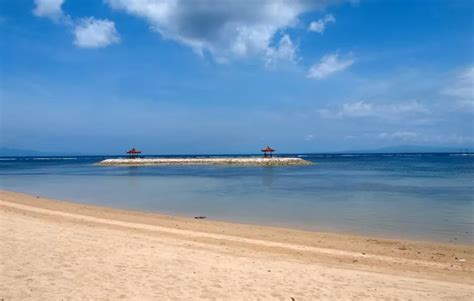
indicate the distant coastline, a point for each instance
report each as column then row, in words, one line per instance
column 17, row 152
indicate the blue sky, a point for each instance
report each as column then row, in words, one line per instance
column 95, row 76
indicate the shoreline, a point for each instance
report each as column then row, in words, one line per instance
column 439, row 266
column 70, row 204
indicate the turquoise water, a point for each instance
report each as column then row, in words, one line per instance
column 416, row 196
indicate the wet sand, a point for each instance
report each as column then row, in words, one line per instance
column 58, row 250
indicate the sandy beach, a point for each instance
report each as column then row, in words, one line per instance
column 54, row 250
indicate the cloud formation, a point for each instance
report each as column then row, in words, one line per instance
column 384, row 111
column 88, row 32
column 49, row 9
column 406, row 136
column 462, row 88
column 424, row 138
column 225, row 29
column 285, row 51
column 320, row 25
column 329, row 64
column 93, row 33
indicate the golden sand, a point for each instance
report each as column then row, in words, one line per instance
column 54, row 250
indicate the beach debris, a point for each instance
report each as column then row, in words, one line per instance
column 199, row 217
column 462, row 259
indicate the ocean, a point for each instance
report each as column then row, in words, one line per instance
column 407, row 196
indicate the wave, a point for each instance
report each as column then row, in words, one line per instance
column 53, row 158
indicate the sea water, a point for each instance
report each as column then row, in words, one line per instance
column 414, row 196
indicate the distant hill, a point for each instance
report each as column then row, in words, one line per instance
column 416, row 149
column 5, row 152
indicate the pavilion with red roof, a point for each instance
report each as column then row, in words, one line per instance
column 133, row 153
column 267, row 152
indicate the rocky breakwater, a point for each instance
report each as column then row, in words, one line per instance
column 242, row 161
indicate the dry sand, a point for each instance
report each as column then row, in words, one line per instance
column 54, row 250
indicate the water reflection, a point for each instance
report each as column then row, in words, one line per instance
column 422, row 197
column 267, row 176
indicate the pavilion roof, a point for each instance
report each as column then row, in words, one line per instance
column 268, row 149
column 134, row 151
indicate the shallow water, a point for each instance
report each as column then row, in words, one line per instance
column 416, row 196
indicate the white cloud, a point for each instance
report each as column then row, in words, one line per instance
column 328, row 65
column 357, row 109
column 93, row 33
column 286, row 51
column 452, row 139
column 430, row 139
column 88, row 32
column 419, row 138
column 225, row 29
column 462, row 88
column 309, row 137
column 320, row 25
column 366, row 109
column 50, row 9
column 405, row 136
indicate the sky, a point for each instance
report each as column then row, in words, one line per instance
column 202, row 76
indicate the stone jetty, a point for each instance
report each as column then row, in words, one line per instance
column 243, row 161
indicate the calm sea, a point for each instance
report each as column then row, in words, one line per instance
column 416, row 196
